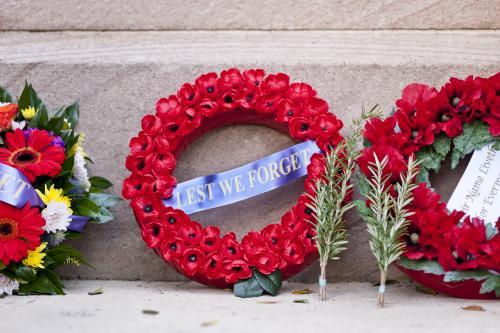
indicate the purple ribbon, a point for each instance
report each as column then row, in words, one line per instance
column 16, row 190
column 244, row 182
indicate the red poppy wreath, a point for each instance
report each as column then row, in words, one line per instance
column 276, row 252
column 444, row 250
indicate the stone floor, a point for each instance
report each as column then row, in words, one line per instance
column 190, row 307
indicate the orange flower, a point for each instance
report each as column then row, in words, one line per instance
column 7, row 113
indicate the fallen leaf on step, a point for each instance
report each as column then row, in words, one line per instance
column 425, row 290
column 304, row 301
column 267, row 302
column 209, row 323
column 302, row 291
column 150, row 312
column 98, row 291
column 473, row 308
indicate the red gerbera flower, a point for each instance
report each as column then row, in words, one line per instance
column 32, row 153
column 20, row 231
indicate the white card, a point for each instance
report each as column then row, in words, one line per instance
column 478, row 191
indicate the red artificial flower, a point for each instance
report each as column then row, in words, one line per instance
column 228, row 100
column 141, row 145
column 316, row 167
column 154, row 233
column 172, row 248
column 417, row 103
column 267, row 103
column 315, row 107
column 138, row 164
column 230, row 248
column 32, row 153
column 174, row 218
column 147, row 208
column 163, row 185
column 325, row 124
column 276, row 83
column 188, row 94
column 293, row 251
column 135, row 185
column 300, row 92
column 265, row 262
column 192, row 261
column 229, row 79
column 163, row 162
column 214, row 265
column 254, row 78
column 252, row 244
column 287, row 110
column 20, row 231
column 168, row 108
column 291, row 224
column 302, row 209
column 395, row 160
column 7, row 112
column 248, row 98
column 383, row 132
column 151, row 125
column 299, row 128
column 191, row 232
column 327, row 142
column 273, row 236
column 308, row 236
column 207, row 84
column 210, row 239
column 207, row 107
column 236, row 270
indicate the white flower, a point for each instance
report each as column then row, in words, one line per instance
column 7, row 286
column 80, row 172
column 4, row 103
column 17, row 125
column 57, row 216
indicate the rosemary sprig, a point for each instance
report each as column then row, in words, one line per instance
column 388, row 218
column 329, row 204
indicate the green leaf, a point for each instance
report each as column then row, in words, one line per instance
column 65, row 254
column 104, row 199
column 496, row 145
column 104, row 216
column 98, row 291
column 85, row 207
column 423, row 176
column 457, row 276
column 363, row 185
column 492, row 283
column 270, row 283
column 475, row 136
column 71, row 113
column 442, row 145
column 5, row 97
column 99, row 182
column 46, row 282
column 428, row 266
column 248, row 288
column 24, row 273
column 364, row 211
column 429, row 158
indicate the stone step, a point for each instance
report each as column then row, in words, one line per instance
column 189, row 307
column 248, row 15
column 119, row 76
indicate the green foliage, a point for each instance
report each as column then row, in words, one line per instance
column 475, row 136
column 259, row 284
column 428, row 266
column 430, row 159
column 5, row 97
column 46, row 282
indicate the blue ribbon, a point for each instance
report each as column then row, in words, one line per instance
column 16, row 190
column 244, row 182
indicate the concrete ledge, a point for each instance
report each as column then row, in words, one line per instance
column 251, row 15
column 189, row 307
column 119, row 76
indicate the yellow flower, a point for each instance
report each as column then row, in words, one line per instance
column 78, row 146
column 35, row 258
column 54, row 194
column 29, row 112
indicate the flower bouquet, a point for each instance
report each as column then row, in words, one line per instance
column 46, row 195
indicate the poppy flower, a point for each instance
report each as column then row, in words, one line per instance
column 138, row 164
column 267, row 103
column 163, row 162
column 276, row 83
column 287, row 110
column 237, row 270
column 302, row 209
column 172, row 248
column 168, row 108
column 192, row 261
column 248, row 98
column 293, row 251
column 20, row 231
column 266, row 262
column 207, row 85
column 32, row 154
column 395, row 160
column 190, row 232
column 300, row 92
column 7, row 112
column 291, row 224
column 325, row 124
column 174, row 218
column 207, row 107
column 254, row 78
column 210, row 239
column 229, row 79
column 147, row 208
column 307, row 236
column 154, row 233
column 188, row 94
column 141, row 145
column 135, row 185
column 299, row 128
column 228, row 100
column 252, row 244
column 230, row 248
column 273, row 236
column 315, row 107
column 163, row 185
column 214, row 265
column 151, row 124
